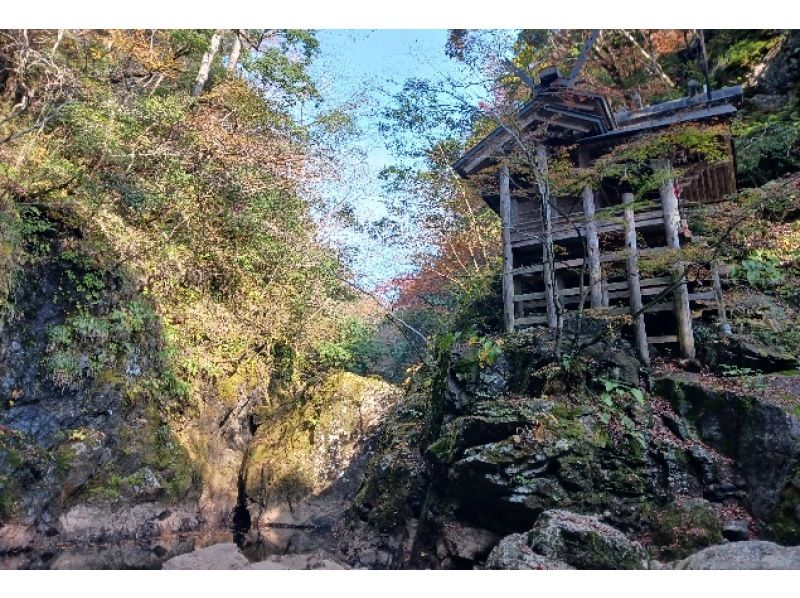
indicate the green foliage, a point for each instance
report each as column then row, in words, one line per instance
column 735, row 371
column 283, row 67
column 761, row 269
column 615, row 388
column 735, row 52
column 88, row 342
column 488, row 350
column 418, row 119
column 767, row 145
column 477, row 303
column 480, row 353
column 617, row 397
column 354, row 347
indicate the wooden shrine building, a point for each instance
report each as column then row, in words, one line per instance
column 597, row 239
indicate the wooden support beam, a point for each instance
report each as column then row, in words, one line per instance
column 592, row 249
column 616, row 256
column 632, row 263
column 508, row 257
column 531, row 320
column 722, row 315
column 658, row 340
column 548, row 257
column 529, row 233
column 672, row 222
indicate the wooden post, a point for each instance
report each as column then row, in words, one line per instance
column 724, row 325
column 634, row 287
column 592, row 249
column 548, row 258
column 672, row 222
column 508, row 256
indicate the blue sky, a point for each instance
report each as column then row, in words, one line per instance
column 371, row 64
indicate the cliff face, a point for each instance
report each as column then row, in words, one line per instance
column 121, row 458
column 688, row 464
column 104, row 456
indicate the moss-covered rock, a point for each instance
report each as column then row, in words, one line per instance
column 744, row 353
column 396, row 480
column 583, row 542
column 684, row 528
column 783, row 523
column 302, row 445
column 762, row 439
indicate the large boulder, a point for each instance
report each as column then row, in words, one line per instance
column 217, row 556
column 304, row 446
column 583, row 542
column 762, row 439
column 299, row 562
column 685, row 527
column 464, row 542
column 744, row 555
column 565, row 540
column 514, row 552
column 560, row 455
column 228, row 556
column 744, row 352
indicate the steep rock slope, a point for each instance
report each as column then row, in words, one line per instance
column 678, row 469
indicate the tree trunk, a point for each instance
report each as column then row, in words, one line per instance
column 233, row 57
column 205, row 64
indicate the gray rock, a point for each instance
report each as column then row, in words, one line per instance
column 742, row 351
column 685, row 527
column 217, row 556
column 584, row 542
column 744, row 556
column 466, row 542
column 303, row 562
column 781, row 74
column 15, row 538
column 763, row 440
column 513, row 552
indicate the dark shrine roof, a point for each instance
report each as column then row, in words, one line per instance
column 578, row 116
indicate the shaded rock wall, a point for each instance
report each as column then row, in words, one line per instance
column 496, row 444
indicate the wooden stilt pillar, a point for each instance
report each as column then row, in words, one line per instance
column 634, row 287
column 724, row 325
column 548, row 259
column 672, row 222
column 592, row 249
column 508, row 257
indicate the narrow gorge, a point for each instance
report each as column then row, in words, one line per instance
column 556, row 329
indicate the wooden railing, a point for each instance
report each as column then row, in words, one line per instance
column 529, row 232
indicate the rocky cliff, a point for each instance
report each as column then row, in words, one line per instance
column 674, row 461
